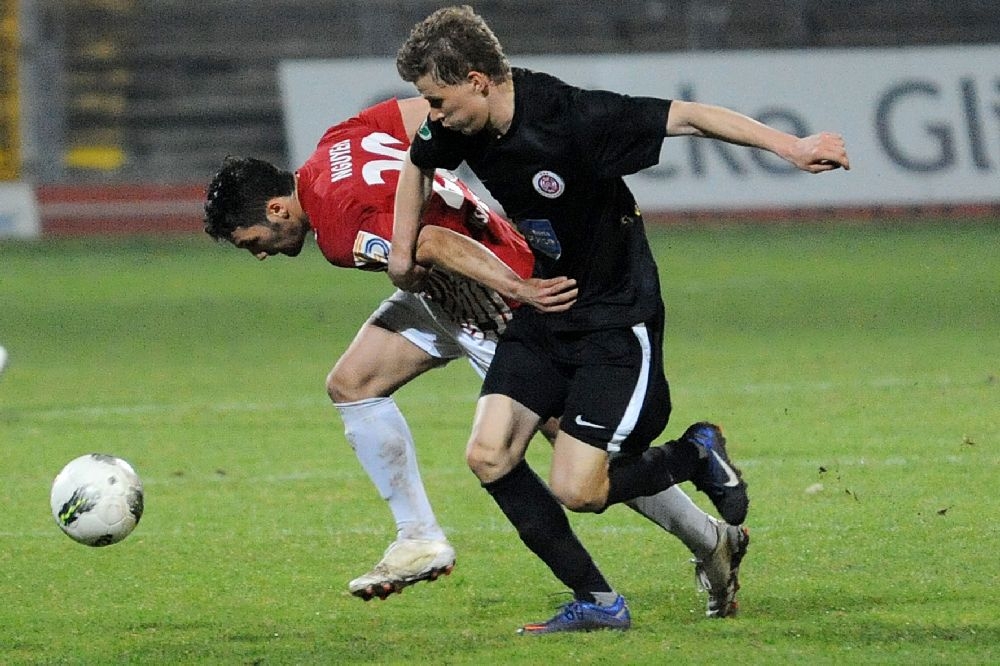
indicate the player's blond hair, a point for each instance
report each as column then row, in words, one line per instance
column 449, row 44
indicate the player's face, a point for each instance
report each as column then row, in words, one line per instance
column 461, row 107
column 266, row 240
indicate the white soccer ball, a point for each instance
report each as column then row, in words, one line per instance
column 3, row 358
column 97, row 499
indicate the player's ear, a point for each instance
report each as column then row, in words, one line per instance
column 480, row 82
column 277, row 207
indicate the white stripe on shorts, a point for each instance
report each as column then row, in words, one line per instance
column 631, row 416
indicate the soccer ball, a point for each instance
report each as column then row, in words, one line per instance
column 97, row 499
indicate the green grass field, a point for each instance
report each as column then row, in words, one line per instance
column 855, row 368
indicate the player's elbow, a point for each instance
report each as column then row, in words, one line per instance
column 427, row 251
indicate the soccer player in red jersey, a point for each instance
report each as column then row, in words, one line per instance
column 344, row 194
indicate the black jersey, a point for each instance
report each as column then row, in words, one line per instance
column 557, row 172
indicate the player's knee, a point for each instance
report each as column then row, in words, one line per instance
column 577, row 498
column 487, row 462
column 344, row 387
column 482, row 464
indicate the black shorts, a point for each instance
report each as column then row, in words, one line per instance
column 607, row 385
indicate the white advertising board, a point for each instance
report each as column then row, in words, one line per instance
column 18, row 211
column 922, row 125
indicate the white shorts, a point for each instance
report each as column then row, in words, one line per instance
column 425, row 324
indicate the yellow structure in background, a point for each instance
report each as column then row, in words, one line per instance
column 100, row 77
column 10, row 101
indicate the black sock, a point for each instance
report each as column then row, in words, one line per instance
column 543, row 527
column 658, row 468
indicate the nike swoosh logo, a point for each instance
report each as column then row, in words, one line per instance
column 586, row 424
column 733, row 480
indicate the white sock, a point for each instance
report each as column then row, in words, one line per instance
column 382, row 441
column 605, row 599
column 674, row 511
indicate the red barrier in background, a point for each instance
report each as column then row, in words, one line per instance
column 986, row 212
column 79, row 210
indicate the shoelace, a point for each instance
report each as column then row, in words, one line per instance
column 700, row 577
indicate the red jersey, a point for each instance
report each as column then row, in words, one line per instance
column 347, row 187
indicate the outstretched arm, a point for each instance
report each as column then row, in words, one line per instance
column 412, row 191
column 447, row 249
column 815, row 153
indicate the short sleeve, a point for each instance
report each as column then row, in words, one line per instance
column 620, row 134
column 435, row 147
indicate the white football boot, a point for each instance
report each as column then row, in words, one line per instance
column 718, row 574
column 405, row 562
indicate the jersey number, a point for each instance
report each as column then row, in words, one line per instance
column 379, row 143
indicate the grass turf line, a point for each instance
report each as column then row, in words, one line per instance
column 854, row 368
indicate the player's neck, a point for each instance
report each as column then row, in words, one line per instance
column 502, row 108
column 295, row 206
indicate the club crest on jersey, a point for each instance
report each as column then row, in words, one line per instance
column 549, row 184
column 425, row 131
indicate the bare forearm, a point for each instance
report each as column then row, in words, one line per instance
column 412, row 190
column 445, row 249
column 716, row 122
column 815, row 153
column 458, row 254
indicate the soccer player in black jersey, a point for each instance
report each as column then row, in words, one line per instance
column 554, row 155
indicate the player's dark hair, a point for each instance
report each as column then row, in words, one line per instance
column 449, row 44
column 238, row 194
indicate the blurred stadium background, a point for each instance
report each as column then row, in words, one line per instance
column 115, row 112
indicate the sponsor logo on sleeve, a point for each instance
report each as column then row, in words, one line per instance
column 541, row 237
column 371, row 252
